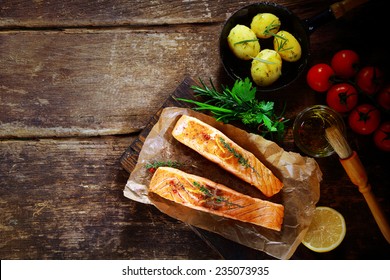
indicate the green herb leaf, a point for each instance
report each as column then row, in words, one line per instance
column 208, row 194
column 270, row 27
column 244, row 90
column 264, row 61
column 245, row 41
column 157, row 164
column 240, row 104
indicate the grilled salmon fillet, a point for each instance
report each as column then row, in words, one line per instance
column 205, row 195
column 217, row 147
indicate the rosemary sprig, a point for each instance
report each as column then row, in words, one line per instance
column 282, row 42
column 281, row 45
column 263, row 60
column 240, row 104
column 270, row 27
column 245, row 41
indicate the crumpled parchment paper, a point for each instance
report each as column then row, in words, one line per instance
column 301, row 177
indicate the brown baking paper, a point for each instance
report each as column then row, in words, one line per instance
column 301, row 177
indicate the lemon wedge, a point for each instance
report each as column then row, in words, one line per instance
column 326, row 231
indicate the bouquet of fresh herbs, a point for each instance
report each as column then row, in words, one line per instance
column 239, row 103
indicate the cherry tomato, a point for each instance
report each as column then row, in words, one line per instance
column 342, row 97
column 345, row 63
column 382, row 137
column 383, row 98
column 319, row 77
column 369, row 79
column 152, row 170
column 364, row 119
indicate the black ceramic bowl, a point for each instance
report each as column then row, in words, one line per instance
column 240, row 69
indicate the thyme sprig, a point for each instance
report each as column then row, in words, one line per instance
column 240, row 104
column 203, row 189
column 152, row 166
column 241, row 160
column 210, row 195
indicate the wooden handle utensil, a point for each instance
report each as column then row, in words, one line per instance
column 357, row 173
column 339, row 9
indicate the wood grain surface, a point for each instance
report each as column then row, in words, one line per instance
column 106, row 13
column 80, row 80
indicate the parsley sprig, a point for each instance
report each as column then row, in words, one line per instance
column 240, row 104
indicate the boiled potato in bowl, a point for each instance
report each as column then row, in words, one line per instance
column 287, row 46
column 274, row 30
column 243, row 42
column 266, row 67
column 265, row 25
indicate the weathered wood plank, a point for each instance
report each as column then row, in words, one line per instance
column 110, row 81
column 51, row 14
column 63, row 199
column 95, row 82
column 86, row 68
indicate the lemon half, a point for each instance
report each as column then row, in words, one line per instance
column 326, row 231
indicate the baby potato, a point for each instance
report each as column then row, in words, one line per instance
column 266, row 67
column 243, row 42
column 265, row 24
column 287, row 46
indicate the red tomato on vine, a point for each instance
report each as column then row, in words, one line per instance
column 364, row 119
column 319, row 77
column 369, row 79
column 383, row 98
column 345, row 63
column 382, row 137
column 342, row 97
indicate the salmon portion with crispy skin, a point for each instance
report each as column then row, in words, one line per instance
column 205, row 195
column 218, row 148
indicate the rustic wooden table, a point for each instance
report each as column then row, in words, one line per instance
column 79, row 80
